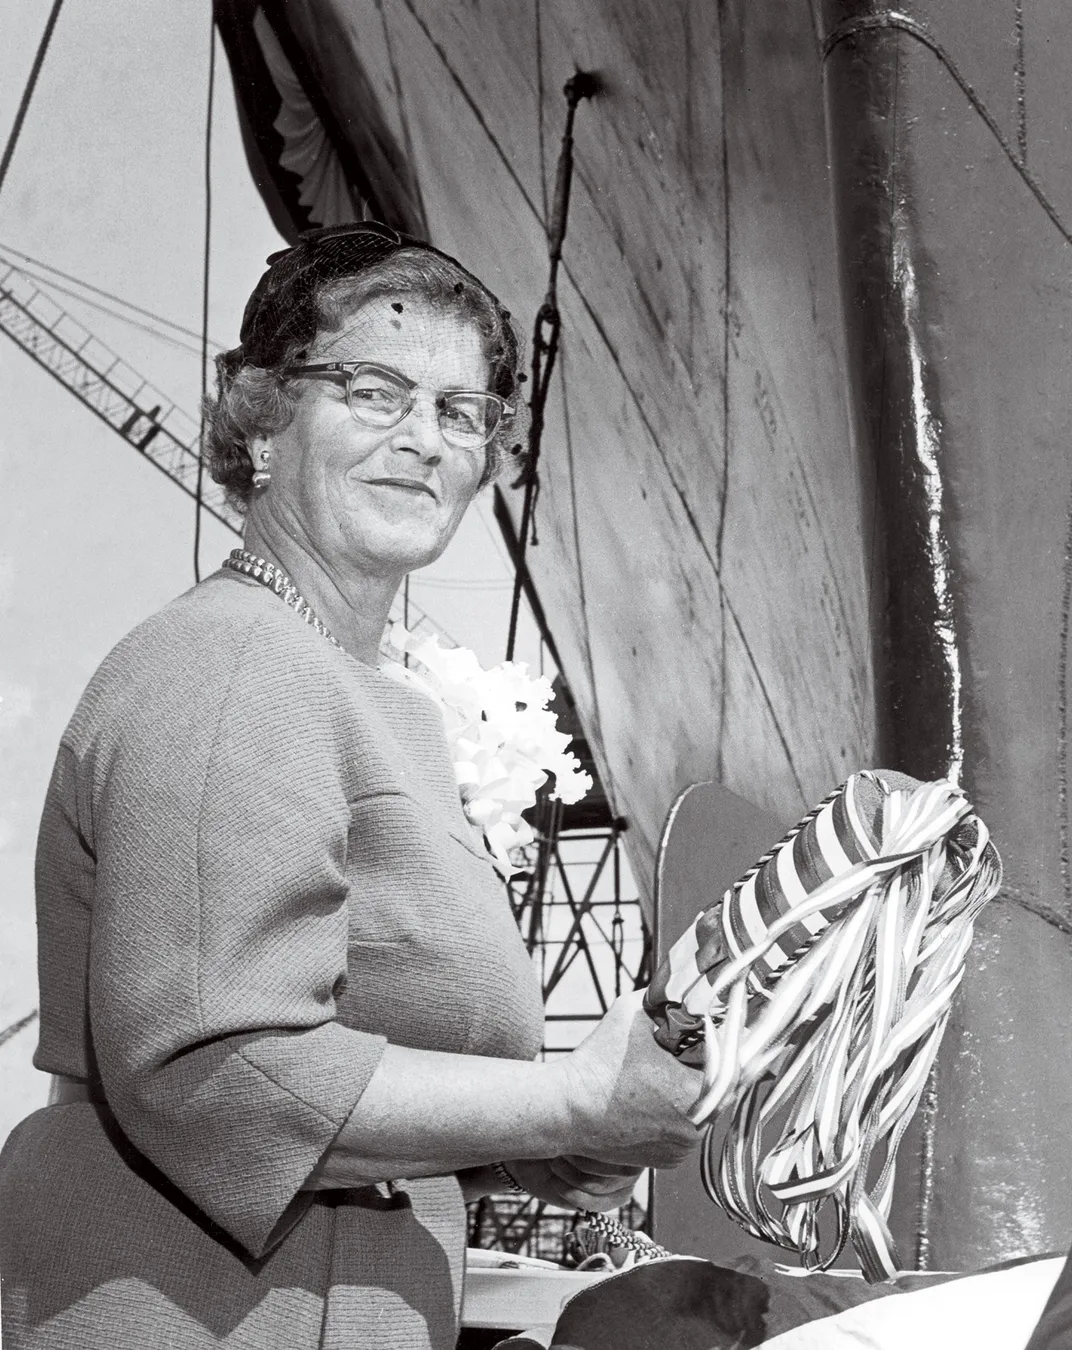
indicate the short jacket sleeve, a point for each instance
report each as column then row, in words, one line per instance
column 219, row 820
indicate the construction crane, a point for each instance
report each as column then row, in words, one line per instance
column 146, row 418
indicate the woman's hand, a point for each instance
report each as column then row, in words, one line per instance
column 628, row 1097
column 575, row 1182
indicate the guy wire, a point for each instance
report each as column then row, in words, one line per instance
column 25, row 258
column 27, row 93
column 205, row 274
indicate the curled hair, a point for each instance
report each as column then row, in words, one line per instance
column 252, row 401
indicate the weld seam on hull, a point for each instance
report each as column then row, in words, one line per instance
column 727, row 277
column 474, row 109
column 407, row 134
column 604, row 769
column 1062, row 716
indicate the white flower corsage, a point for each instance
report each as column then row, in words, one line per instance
column 503, row 738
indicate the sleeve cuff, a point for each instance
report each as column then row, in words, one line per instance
column 240, row 1131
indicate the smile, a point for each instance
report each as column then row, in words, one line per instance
column 406, row 485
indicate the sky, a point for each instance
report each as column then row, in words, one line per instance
column 107, row 184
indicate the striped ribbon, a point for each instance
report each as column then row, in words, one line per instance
column 820, row 985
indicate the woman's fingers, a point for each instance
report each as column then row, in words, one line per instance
column 611, row 1179
column 599, row 1167
column 586, row 1170
column 601, row 1203
column 546, row 1181
column 577, row 1197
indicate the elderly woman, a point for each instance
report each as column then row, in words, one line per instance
column 293, row 1021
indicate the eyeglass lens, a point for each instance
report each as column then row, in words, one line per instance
column 466, row 419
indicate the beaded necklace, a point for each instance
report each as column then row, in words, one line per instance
column 249, row 565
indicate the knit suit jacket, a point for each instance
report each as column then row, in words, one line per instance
column 253, row 872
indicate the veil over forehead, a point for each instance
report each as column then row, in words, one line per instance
column 285, row 313
column 282, row 311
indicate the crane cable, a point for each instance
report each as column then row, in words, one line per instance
column 28, row 258
column 205, row 277
column 27, row 93
column 53, row 287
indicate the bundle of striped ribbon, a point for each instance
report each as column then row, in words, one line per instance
column 818, row 988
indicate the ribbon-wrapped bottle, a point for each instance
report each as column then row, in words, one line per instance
column 817, row 990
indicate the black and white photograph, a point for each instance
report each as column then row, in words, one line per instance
column 535, row 661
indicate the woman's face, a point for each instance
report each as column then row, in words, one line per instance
column 377, row 501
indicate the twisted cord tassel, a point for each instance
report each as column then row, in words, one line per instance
column 820, row 1053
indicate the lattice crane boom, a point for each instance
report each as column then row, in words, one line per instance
column 146, row 418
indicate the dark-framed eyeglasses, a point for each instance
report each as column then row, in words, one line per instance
column 381, row 397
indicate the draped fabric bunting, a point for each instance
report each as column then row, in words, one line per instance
column 307, row 152
column 817, row 989
column 321, row 146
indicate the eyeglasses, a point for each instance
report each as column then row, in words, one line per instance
column 378, row 396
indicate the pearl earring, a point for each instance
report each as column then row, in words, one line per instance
column 262, row 477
